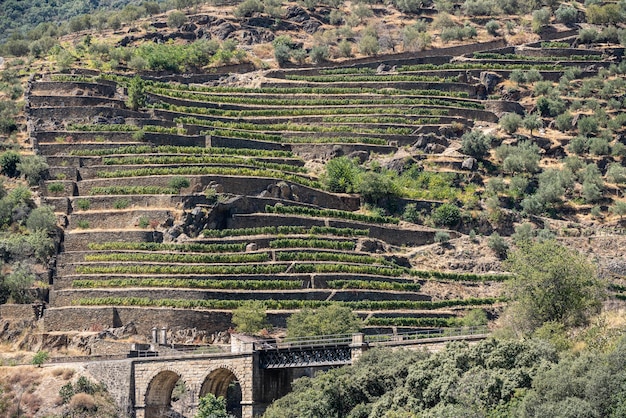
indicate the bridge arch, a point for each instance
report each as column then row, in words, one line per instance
column 224, row 381
column 158, row 398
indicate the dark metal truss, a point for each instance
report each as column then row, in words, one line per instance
column 305, row 357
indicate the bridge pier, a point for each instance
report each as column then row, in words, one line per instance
column 357, row 346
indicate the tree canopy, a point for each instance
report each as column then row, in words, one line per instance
column 551, row 283
column 328, row 320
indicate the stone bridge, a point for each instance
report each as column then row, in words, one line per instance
column 250, row 377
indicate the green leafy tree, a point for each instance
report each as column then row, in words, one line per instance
column 319, row 54
column 493, row 28
column 498, row 245
column 566, row 14
column 248, row 8
column 41, row 219
column 211, row 406
column 327, row 320
column 136, row 93
column 375, row 186
column 447, row 215
column 510, row 122
column 8, row 163
column 250, row 317
column 587, row 125
column 282, row 54
column 18, row 282
column 524, row 157
column 342, row 175
column 33, row 168
column 552, row 283
column 176, row 19
column 532, row 122
column 476, row 143
column 368, row 45
column 541, row 18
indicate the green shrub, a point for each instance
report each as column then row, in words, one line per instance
column 82, row 204
column 136, row 97
column 408, row 6
column 32, row 167
column 341, row 175
column 319, row 54
column 143, row 222
column 375, row 186
column 121, row 204
column 541, row 18
column 578, row 145
column 521, row 158
column 18, row 282
column 566, row 14
column 8, row 163
column 616, row 173
column 345, row 48
column 40, row 358
column 599, row 146
column 510, row 122
column 250, row 317
column 41, row 219
column 447, row 215
column 55, row 187
column 282, row 54
column 176, row 19
column 248, row 8
column 441, row 237
column 177, row 183
column 563, row 122
column 587, row 125
column 476, row 143
column 411, row 214
column 498, row 245
column 328, row 320
column 368, row 45
column 83, row 224
column 493, row 28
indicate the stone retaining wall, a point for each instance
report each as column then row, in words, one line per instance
column 65, row 297
column 15, row 311
column 85, row 114
column 431, row 56
column 74, row 101
column 102, row 88
column 73, row 318
column 115, row 219
column 134, row 202
column 101, row 317
column 79, row 240
column 68, row 139
column 238, row 185
column 61, row 149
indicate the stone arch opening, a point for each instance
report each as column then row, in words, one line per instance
column 159, row 395
column 223, row 382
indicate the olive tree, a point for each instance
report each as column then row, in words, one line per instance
column 551, row 283
column 327, row 320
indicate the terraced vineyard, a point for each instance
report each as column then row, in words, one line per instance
column 211, row 196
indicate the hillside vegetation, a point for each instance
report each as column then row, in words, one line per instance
column 402, row 166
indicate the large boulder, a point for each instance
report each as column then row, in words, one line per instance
column 490, row 80
column 222, row 31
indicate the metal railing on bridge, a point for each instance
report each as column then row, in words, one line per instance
column 429, row 334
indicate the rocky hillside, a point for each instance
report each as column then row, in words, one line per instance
column 313, row 155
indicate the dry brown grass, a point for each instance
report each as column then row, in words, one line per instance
column 83, row 402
